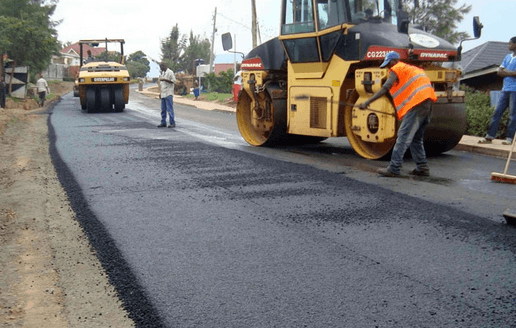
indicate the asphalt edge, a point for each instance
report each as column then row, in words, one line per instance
column 131, row 293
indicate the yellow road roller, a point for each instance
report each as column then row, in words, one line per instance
column 303, row 86
column 103, row 84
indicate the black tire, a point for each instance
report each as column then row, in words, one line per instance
column 105, row 100
column 119, row 99
column 90, row 100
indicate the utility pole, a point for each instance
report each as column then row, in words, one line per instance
column 234, row 59
column 253, row 26
column 213, row 39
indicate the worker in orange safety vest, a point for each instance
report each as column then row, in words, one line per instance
column 413, row 96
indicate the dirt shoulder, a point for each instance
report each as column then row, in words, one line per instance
column 49, row 274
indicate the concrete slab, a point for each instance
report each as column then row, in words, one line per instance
column 496, row 149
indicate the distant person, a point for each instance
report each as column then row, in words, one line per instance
column 196, row 89
column 184, row 91
column 166, row 83
column 3, row 92
column 508, row 71
column 89, row 59
column 413, row 96
column 42, row 86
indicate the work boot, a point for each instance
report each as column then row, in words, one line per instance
column 387, row 173
column 421, row 173
column 162, row 126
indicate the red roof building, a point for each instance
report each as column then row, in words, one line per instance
column 75, row 48
column 222, row 68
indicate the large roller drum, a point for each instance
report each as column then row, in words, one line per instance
column 371, row 133
column 366, row 149
column 264, row 122
column 446, row 128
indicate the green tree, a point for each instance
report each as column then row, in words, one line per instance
column 222, row 83
column 212, row 81
column 226, row 81
column 27, row 32
column 439, row 17
column 180, row 52
column 137, row 64
column 171, row 49
column 197, row 49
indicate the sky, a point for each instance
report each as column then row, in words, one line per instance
column 498, row 19
column 143, row 24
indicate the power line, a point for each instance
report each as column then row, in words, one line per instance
column 243, row 25
column 234, row 21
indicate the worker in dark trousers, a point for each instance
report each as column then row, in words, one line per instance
column 413, row 96
column 3, row 92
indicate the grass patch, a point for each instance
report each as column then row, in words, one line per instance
column 217, row 96
column 14, row 99
column 212, row 96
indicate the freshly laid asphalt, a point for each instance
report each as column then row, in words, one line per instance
column 194, row 235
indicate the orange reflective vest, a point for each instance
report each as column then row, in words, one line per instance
column 412, row 88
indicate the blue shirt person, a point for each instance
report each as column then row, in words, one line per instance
column 507, row 70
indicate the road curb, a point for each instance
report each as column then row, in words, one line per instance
column 482, row 150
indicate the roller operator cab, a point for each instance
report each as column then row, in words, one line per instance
column 103, row 84
column 301, row 86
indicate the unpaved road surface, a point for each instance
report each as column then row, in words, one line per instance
column 49, row 274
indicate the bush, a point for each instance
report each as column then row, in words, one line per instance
column 222, row 83
column 479, row 112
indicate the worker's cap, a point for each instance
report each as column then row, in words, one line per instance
column 390, row 56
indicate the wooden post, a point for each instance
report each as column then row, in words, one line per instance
column 12, row 77
column 213, row 40
column 1, row 65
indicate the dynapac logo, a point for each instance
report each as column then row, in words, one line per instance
column 254, row 63
column 433, row 55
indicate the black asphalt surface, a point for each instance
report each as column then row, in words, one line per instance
column 197, row 235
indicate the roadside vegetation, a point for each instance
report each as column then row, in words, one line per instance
column 27, row 33
column 214, row 96
column 220, row 83
column 478, row 114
